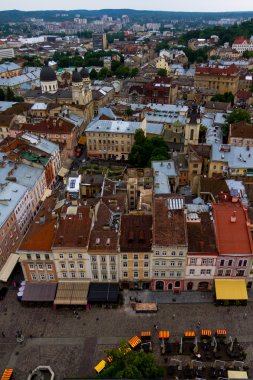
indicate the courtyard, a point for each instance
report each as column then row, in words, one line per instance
column 73, row 346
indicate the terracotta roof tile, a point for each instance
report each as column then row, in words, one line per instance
column 136, row 233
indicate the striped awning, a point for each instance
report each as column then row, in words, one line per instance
column 189, row 334
column 145, row 334
column 7, row 374
column 206, row 332
column 134, row 342
column 221, row 332
column 100, row 366
column 164, row 334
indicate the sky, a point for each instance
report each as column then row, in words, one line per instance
column 166, row 5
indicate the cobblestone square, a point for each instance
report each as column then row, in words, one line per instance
column 73, row 346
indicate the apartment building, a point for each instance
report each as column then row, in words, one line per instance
column 169, row 244
column 35, row 251
column 242, row 44
column 111, row 139
column 234, row 240
column 234, row 160
column 202, row 251
column 241, row 134
column 135, row 251
column 217, row 78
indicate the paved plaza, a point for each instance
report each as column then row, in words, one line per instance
column 73, row 346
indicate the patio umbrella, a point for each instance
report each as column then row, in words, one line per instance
column 231, row 344
column 214, row 345
column 195, row 350
column 181, row 346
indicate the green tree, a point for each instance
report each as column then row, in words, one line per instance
column 104, row 73
column 162, row 73
column 133, row 365
column 134, row 72
column 227, row 97
column 9, row 96
column 93, row 74
column 129, row 111
column 202, row 133
column 2, row 94
column 139, row 137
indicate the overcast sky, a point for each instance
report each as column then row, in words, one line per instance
column 168, row 5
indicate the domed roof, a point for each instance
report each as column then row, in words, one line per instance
column 47, row 74
column 84, row 73
column 76, row 77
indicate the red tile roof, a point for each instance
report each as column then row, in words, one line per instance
column 136, row 233
column 232, row 231
column 242, row 130
column 50, row 125
column 240, row 40
column 216, row 70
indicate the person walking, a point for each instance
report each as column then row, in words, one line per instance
column 3, row 334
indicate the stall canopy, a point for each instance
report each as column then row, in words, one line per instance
column 7, row 374
column 101, row 365
column 72, row 293
column 230, row 289
column 237, row 375
column 39, row 292
column 8, row 267
column 103, row 292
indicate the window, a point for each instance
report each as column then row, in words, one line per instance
column 162, row 273
column 210, row 261
column 173, row 253
column 63, row 265
column 156, row 263
column 40, row 266
column 93, row 259
column 157, row 253
column 163, row 263
column 193, row 261
column 145, row 263
column 164, row 253
column 37, row 256
column 202, row 271
column 31, row 266
column 124, row 263
column 172, row 263
column 72, row 266
column 136, row 274
column 73, row 275
column 208, row 271
column 64, row 274
column 82, row 275
column 95, row 276
column 136, row 264
column 70, row 256
column 228, row 272
column 230, row 263
column 222, row 263
column 135, row 257
column 145, row 257
column 61, row 256
column 103, row 259
column 171, row 274
column 220, row 272
column 80, row 256
column 195, row 165
column 112, row 258
column 156, row 274
column 42, row 276
column 145, row 274
column 245, row 263
column 113, row 267
column 104, row 276
column 181, row 253
column 81, row 265
column 240, row 273
column 204, row 261
column 49, row 266
column 51, row 277
column 34, row 277
column 192, row 271
column 178, row 274
column 125, row 274
column 29, row 257
column 113, row 276
column 94, row 266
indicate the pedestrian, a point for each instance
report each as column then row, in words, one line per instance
column 199, row 324
column 173, row 316
column 245, row 315
column 97, row 319
column 3, row 334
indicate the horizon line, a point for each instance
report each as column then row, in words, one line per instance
column 125, row 9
